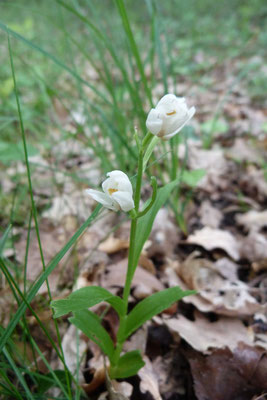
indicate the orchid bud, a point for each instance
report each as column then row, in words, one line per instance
column 117, row 192
column 169, row 117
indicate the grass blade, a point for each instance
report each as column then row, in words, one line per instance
column 52, row 265
column 52, row 58
column 134, row 48
column 4, row 239
column 18, row 373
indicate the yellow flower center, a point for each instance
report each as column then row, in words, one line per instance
column 111, row 191
column 171, row 113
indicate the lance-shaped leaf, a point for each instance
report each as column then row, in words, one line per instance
column 149, row 151
column 144, row 224
column 84, row 298
column 90, row 324
column 153, row 305
column 128, row 365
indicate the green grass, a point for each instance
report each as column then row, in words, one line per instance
column 104, row 60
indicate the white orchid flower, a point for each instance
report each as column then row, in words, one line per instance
column 169, row 117
column 117, row 192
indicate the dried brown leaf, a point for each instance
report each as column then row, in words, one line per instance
column 72, row 353
column 254, row 247
column 244, row 151
column 214, row 163
column 226, row 375
column 204, row 335
column 211, row 239
column 209, row 215
column 149, row 380
column 226, row 268
column 253, row 220
column 116, row 273
column 113, row 245
column 224, row 297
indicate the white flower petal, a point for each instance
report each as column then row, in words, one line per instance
column 180, row 100
column 154, row 122
column 125, row 186
column 122, row 181
column 124, row 199
column 190, row 115
column 113, row 180
column 108, row 184
column 102, row 198
column 117, row 180
column 169, row 117
column 117, row 174
column 167, row 100
column 117, row 192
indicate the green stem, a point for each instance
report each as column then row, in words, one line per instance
column 126, row 292
column 128, row 281
column 153, row 198
column 130, row 269
column 174, row 157
column 139, row 181
column 147, row 139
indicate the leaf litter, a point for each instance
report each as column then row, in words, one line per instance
column 211, row 345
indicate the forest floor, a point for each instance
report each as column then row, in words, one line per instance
column 209, row 346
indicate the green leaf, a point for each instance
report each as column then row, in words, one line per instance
column 191, row 178
column 128, row 365
column 153, row 305
column 144, row 224
column 149, row 151
column 90, row 324
column 84, row 298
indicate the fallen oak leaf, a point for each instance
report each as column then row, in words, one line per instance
column 215, row 294
column 209, row 215
column 113, row 245
column 212, row 239
column 252, row 220
column 227, row 297
column 204, row 335
column 213, row 162
column 149, row 380
column 254, row 246
column 116, row 273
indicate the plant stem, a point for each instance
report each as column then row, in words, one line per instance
column 128, row 281
column 138, row 181
column 174, row 157
column 130, row 269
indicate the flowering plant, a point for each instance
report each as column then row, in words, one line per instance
column 166, row 120
column 169, row 117
column 117, row 192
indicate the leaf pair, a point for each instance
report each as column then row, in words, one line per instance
column 90, row 324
